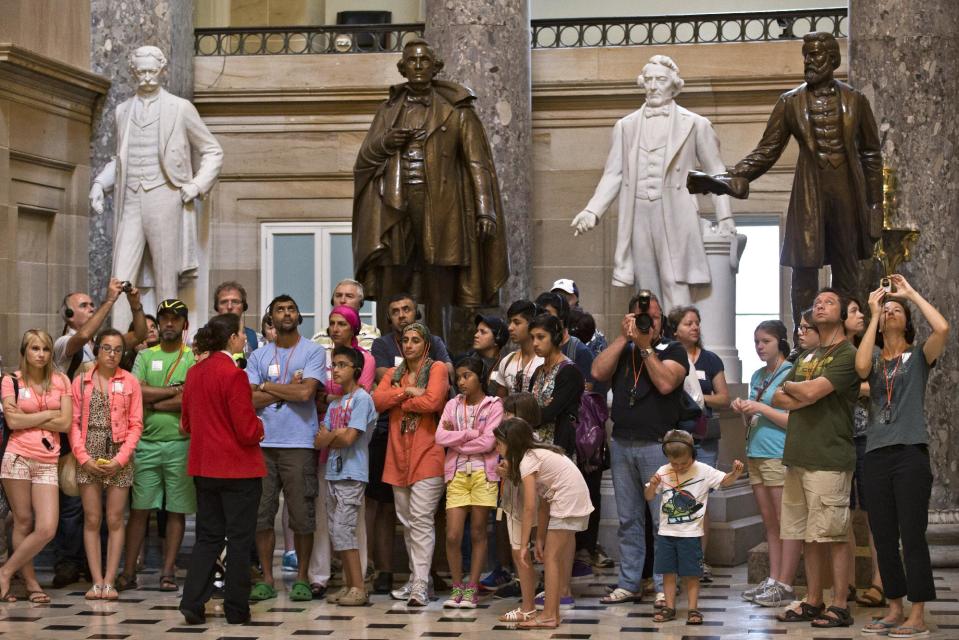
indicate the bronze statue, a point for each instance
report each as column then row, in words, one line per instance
column 835, row 210
column 427, row 216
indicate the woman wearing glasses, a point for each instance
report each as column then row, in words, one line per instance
column 37, row 409
column 107, row 424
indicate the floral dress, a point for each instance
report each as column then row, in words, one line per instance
column 100, row 444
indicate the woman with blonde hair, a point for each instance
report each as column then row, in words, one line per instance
column 37, row 406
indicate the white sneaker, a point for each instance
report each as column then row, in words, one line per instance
column 419, row 594
column 403, row 593
column 775, row 595
column 755, row 590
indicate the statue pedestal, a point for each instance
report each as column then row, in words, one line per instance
column 717, row 301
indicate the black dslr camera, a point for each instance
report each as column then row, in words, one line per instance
column 644, row 322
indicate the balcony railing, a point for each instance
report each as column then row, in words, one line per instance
column 760, row 26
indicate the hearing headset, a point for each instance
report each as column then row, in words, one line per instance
column 269, row 310
column 844, row 311
column 692, row 449
column 556, row 335
column 358, row 362
column 216, row 295
column 65, row 311
column 784, row 346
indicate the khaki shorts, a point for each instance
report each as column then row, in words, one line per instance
column 768, row 472
column 292, row 471
column 17, row 467
column 815, row 505
column 574, row 523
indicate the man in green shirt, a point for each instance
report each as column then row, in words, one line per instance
column 161, row 454
column 820, row 456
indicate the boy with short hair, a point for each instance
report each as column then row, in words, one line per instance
column 346, row 431
column 686, row 484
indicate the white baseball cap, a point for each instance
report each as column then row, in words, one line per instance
column 566, row 285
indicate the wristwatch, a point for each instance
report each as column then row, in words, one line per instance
column 645, row 353
column 261, row 386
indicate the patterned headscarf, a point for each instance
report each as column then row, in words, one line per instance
column 352, row 318
column 408, row 424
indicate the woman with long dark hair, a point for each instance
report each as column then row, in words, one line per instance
column 107, row 424
column 414, row 393
column 557, row 385
column 227, row 466
column 37, row 410
column 896, row 465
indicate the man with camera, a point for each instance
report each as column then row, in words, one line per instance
column 646, row 373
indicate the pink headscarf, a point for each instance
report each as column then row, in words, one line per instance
column 352, row 317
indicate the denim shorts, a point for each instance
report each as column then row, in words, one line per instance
column 682, row 556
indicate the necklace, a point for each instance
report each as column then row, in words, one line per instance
column 890, row 385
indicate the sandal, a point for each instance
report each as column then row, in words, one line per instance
column 840, row 618
column 908, row 632
column 8, row 597
column 538, row 623
column 300, row 591
column 664, row 615
column 869, row 599
column 95, row 593
column 517, row 615
column 38, row 597
column 125, row 582
column 693, row 616
column 263, row 591
column 806, row 613
column 878, row 626
column 110, row 592
column 168, row 583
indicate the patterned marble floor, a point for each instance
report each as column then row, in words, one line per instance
column 149, row 613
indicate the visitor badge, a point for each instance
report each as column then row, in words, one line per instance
column 808, row 357
column 397, row 361
column 156, row 365
column 661, row 347
column 26, row 393
column 117, row 386
column 906, row 356
column 273, row 371
column 700, row 374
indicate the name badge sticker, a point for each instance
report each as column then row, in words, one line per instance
column 661, row 347
column 273, row 371
column 156, row 365
column 700, row 374
column 808, row 357
column 906, row 356
column 117, row 386
column 397, row 361
column 26, row 393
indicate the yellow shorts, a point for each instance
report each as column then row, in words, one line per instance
column 471, row 491
column 815, row 505
column 768, row 472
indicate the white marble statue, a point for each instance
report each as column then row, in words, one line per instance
column 659, row 245
column 155, row 181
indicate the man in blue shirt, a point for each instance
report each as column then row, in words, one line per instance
column 285, row 376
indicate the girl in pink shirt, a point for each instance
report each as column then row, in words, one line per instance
column 466, row 430
column 564, row 508
column 37, row 410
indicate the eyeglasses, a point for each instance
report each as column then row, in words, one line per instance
column 112, row 350
column 806, row 328
column 342, row 365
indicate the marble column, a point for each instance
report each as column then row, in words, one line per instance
column 116, row 30
column 903, row 56
column 717, row 302
column 486, row 46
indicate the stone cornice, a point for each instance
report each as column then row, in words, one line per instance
column 48, row 84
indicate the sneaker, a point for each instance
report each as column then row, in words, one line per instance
column 290, row 563
column 456, row 596
column 403, row 593
column 355, row 597
column 755, row 590
column 470, row 597
column 383, row 582
column 581, row 570
column 334, row 598
column 601, row 560
column 495, row 579
column 565, row 602
column 419, row 594
column 707, row 576
column 775, row 595
column 621, row 596
column 509, row 590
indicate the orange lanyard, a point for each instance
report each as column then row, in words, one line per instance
column 637, row 372
column 169, row 373
column 890, row 380
column 286, row 367
column 820, row 360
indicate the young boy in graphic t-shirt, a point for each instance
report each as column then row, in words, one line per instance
column 685, row 485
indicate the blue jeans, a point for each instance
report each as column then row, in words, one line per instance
column 707, row 452
column 633, row 463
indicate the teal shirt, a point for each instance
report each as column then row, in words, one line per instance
column 766, row 440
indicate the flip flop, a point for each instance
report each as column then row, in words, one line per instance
column 908, row 632
column 8, row 597
column 168, row 583
column 263, row 591
column 867, row 599
column 38, row 597
column 300, row 591
column 538, row 623
column 879, row 627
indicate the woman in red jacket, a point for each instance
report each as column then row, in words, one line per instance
column 107, row 424
column 227, row 465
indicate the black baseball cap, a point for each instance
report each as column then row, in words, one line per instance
column 172, row 305
column 496, row 325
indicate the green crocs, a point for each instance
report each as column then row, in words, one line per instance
column 300, row 592
column 262, row 591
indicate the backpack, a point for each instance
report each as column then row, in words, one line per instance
column 591, row 446
column 4, row 504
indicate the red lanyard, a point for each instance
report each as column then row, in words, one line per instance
column 169, row 373
column 286, row 367
column 41, row 398
column 890, row 380
column 637, row 372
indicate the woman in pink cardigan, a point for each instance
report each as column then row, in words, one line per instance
column 466, row 430
column 107, row 424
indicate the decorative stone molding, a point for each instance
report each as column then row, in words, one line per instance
column 45, row 83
